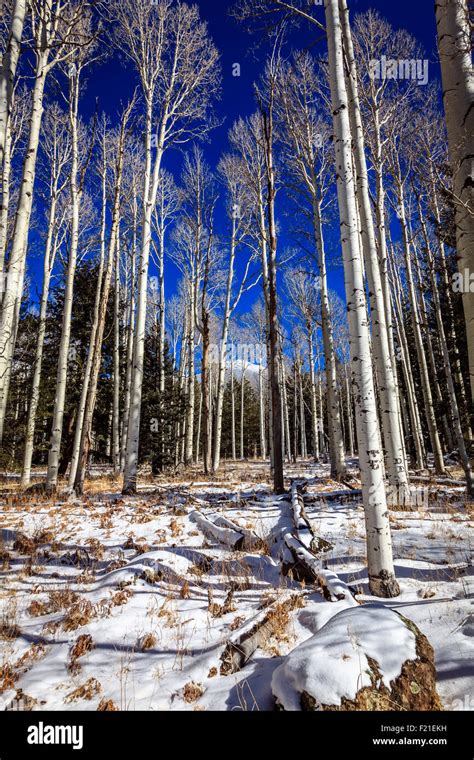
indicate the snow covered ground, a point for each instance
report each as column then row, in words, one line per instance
column 112, row 601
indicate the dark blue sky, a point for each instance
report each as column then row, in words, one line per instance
column 112, row 84
column 112, row 81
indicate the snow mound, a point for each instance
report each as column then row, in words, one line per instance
column 334, row 663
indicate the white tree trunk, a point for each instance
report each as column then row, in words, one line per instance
column 285, row 415
column 49, row 257
column 429, row 342
column 302, row 416
column 96, row 347
column 314, row 400
column 447, row 366
column 116, row 372
column 404, row 358
column 150, row 188
column 8, row 70
column 350, row 427
column 261, row 410
column 415, row 319
column 242, row 412
column 188, row 455
column 295, row 412
column 5, row 174
column 382, row 580
column 452, row 335
column 319, row 396
column 454, row 45
column 76, row 447
column 392, row 434
column 61, row 379
column 223, row 353
column 130, row 334
column 232, row 407
column 336, row 444
column 16, row 264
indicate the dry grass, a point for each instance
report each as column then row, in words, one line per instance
column 267, row 598
column 9, row 629
column 236, row 623
column 103, row 483
column 280, row 619
column 140, row 548
column 202, row 567
column 218, row 610
column 235, row 572
column 107, row 705
column 5, row 557
column 43, row 536
column 81, row 646
column 163, row 612
column 121, row 597
column 87, row 690
column 148, row 641
column 8, row 677
column 143, row 515
column 10, row 672
column 175, row 528
column 192, row 691
column 83, row 611
column 57, row 601
column 106, row 521
column 79, row 614
column 96, row 548
column 23, row 544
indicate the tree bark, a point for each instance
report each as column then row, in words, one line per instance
column 49, row 257
column 76, row 448
column 382, row 579
column 16, row 265
column 242, row 412
column 223, row 352
column 415, row 319
column 267, row 126
column 8, row 70
column 454, row 46
column 104, row 299
column 392, row 434
column 150, row 188
column 116, row 369
column 447, row 365
column 61, row 379
column 314, row 403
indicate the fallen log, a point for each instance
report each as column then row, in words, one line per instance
column 304, row 530
column 226, row 536
column 349, row 485
column 254, row 633
column 332, row 587
column 438, row 481
column 251, row 542
column 303, row 526
column 349, row 495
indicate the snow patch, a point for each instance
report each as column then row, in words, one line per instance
column 333, row 663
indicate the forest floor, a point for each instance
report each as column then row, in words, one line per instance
column 112, row 602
